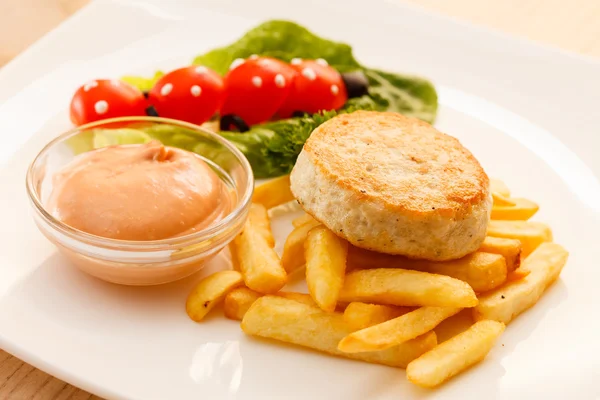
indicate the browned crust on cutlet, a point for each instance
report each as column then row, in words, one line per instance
column 398, row 162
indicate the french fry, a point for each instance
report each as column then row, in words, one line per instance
column 395, row 331
column 305, row 219
column 510, row 249
column 454, row 325
column 510, row 300
column 522, row 209
column 210, row 291
column 303, row 298
column 238, row 301
column 361, row 258
column 406, row 288
column 325, row 266
column 500, row 200
column 274, row 192
column 455, row 355
column 293, row 248
column 517, row 274
column 497, row 186
column 307, row 299
column 530, row 233
column 259, row 218
column 292, row 322
column 235, row 261
column 362, row 315
column 258, row 262
column 482, row 271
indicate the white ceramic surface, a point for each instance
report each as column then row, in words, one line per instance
column 529, row 113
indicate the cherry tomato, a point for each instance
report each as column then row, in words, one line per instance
column 317, row 87
column 192, row 94
column 256, row 88
column 104, row 98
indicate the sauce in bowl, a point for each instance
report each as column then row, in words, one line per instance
column 139, row 192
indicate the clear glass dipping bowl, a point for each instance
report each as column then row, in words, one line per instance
column 141, row 262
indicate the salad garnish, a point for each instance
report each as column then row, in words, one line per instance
column 270, row 88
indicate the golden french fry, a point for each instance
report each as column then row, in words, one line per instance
column 510, row 249
column 455, row 355
column 361, row 258
column 530, row 233
column 274, row 192
column 325, row 266
column 402, row 287
column 501, row 200
column 395, row 331
column 292, row 322
column 307, row 299
column 517, row 274
column 303, row 298
column 497, row 186
column 305, row 219
column 210, row 291
column 235, row 260
column 293, row 248
column 522, row 209
column 362, row 315
column 259, row 218
column 258, row 262
column 454, row 325
column 510, row 300
column 482, row 271
column 238, row 301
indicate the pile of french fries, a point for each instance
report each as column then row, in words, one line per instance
column 382, row 308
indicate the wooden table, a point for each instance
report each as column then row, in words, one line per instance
column 571, row 25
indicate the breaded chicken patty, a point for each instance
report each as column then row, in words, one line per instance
column 394, row 184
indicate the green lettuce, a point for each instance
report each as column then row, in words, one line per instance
column 408, row 95
column 144, row 84
column 283, row 40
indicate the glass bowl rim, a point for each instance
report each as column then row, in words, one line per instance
column 163, row 244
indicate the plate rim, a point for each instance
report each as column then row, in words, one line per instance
column 37, row 48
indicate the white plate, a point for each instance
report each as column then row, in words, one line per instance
column 530, row 114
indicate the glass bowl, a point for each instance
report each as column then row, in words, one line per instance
column 141, row 262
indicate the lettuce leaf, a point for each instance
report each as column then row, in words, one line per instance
column 283, row 40
column 144, row 84
column 408, row 95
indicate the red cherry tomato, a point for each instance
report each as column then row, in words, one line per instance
column 104, row 98
column 317, row 87
column 256, row 88
column 192, row 94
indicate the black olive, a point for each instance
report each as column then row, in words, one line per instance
column 229, row 120
column 146, row 94
column 299, row 113
column 151, row 111
column 356, row 83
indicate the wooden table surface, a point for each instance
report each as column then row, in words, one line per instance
column 571, row 25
